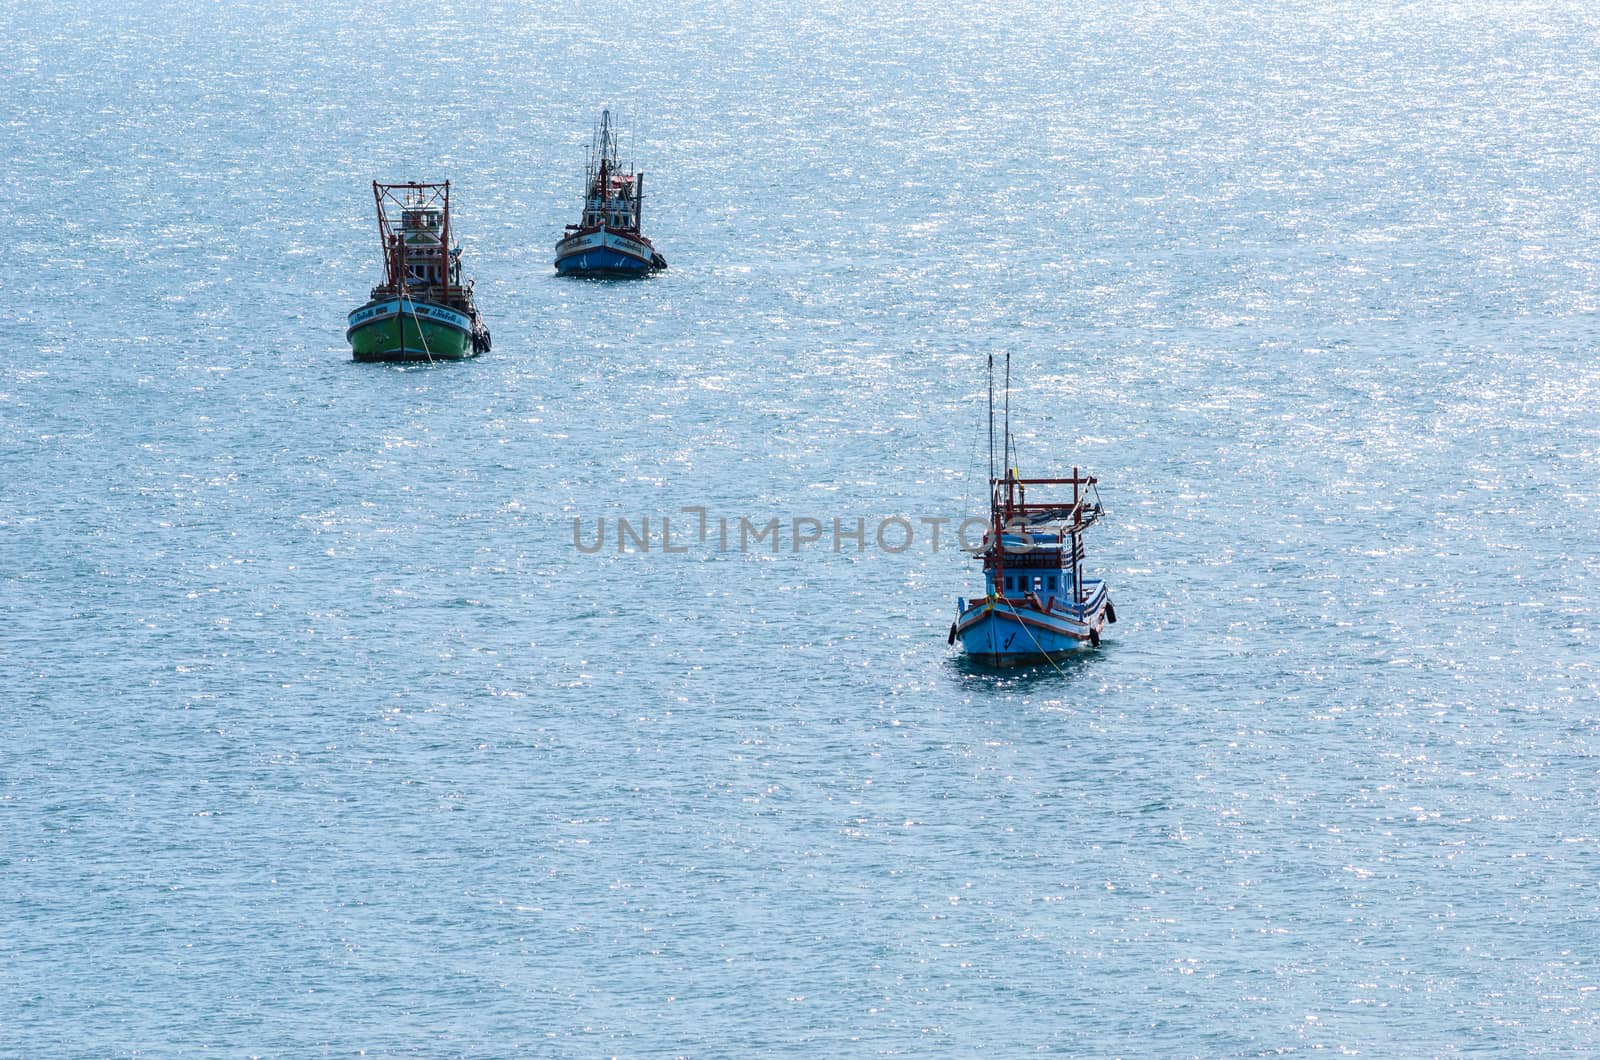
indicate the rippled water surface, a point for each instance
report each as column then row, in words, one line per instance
column 318, row 734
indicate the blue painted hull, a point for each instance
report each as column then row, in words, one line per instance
column 601, row 252
column 601, row 262
column 1025, row 631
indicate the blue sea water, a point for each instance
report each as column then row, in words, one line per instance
column 320, row 736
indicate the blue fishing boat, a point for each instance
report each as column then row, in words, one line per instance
column 607, row 241
column 1037, row 605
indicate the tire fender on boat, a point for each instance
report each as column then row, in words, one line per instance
column 1111, row 611
column 951, row 639
column 1094, row 637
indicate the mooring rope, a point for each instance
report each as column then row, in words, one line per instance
column 1031, row 637
column 404, row 297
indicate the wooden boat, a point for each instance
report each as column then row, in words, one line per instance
column 607, row 242
column 1037, row 605
column 421, row 311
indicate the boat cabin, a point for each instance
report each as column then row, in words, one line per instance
column 1034, row 564
column 422, row 234
column 616, row 206
column 421, row 220
column 1040, row 551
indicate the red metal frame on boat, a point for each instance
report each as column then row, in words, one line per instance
column 1011, row 504
column 389, row 227
column 1015, row 504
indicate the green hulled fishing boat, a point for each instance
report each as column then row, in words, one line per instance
column 421, row 311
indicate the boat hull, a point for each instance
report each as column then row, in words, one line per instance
column 600, row 252
column 1002, row 632
column 392, row 330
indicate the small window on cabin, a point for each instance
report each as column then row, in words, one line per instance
column 1038, row 583
column 1011, row 583
column 1052, row 583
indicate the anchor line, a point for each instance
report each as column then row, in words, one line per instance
column 406, row 297
column 1031, row 637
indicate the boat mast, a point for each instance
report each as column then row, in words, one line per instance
column 638, row 178
column 444, row 247
column 997, row 545
column 991, row 428
column 1005, row 440
column 400, row 281
column 607, row 149
column 1077, row 528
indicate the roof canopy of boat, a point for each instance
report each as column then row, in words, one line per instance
column 1014, row 512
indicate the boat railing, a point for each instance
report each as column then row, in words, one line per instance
column 440, row 293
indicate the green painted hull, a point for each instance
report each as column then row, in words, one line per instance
column 407, row 338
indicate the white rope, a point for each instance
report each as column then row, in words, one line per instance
column 1031, row 637
column 404, row 297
